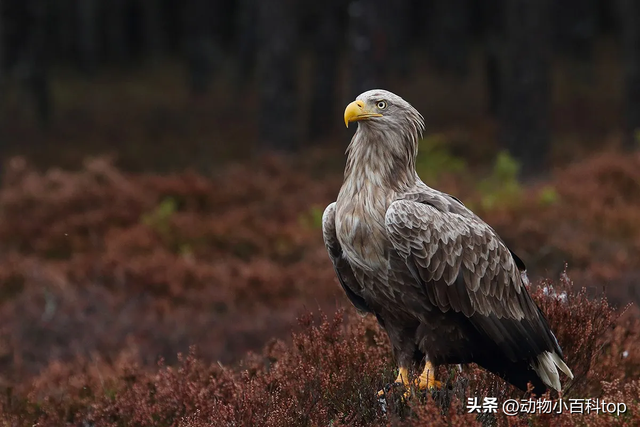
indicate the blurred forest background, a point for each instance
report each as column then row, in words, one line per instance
column 165, row 165
column 167, row 84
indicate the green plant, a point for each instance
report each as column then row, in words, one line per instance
column 159, row 219
column 434, row 158
column 312, row 218
column 548, row 196
column 502, row 187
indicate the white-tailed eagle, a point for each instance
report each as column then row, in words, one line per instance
column 440, row 281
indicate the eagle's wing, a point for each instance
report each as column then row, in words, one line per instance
column 340, row 264
column 464, row 266
column 439, row 246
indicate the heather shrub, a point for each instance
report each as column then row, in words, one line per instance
column 328, row 374
column 592, row 224
column 105, row 276
column 79, row 247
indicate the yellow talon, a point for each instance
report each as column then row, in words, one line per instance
column 402, row 378
column 425, row 381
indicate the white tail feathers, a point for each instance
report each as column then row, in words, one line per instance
column 547, row 369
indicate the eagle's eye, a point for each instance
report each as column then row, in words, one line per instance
column 381, row 105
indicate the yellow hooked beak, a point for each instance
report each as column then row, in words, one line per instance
column 356, row 111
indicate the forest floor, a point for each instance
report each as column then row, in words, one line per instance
column 107, row 275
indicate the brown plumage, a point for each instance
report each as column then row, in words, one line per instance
column 440, row 281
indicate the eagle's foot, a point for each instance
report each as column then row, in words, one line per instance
column 401, row 379
column 427, row 379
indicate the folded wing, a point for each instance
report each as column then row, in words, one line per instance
column 465, row 267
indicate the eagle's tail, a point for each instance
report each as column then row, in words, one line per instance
column 546, row 366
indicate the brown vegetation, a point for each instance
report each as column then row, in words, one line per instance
column 103, row 272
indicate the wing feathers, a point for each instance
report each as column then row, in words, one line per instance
column 547, row 369
column 464, row 266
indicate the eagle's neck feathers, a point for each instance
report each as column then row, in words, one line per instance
column 382, row 159
column 379, row 166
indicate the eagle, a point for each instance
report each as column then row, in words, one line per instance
column 440, row 281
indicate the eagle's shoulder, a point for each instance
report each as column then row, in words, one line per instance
column 470, row 268
column 448, row 204
column 444, row 202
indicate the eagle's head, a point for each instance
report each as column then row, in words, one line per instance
column 384, row 148
column 384, row 111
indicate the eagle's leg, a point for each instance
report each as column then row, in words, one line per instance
column 401, row 379
column 403, row 376
column 427, row 379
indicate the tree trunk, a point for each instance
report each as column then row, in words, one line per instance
column 629, row 13
column 399, row 30
column 2, row 82
column 63, row 43
column 494, row 37
column 575, row 27
column 152, row 28
column 326, row 45
column 116, row 15
column 246, row 41
column 2, row 64
column 276, row 74
column 525, row 110
column 367, row 45
column 449, row 36
column 88, row 35
column 35, row 61
column 202, row 50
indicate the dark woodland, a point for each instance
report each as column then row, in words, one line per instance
column 164, row 166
